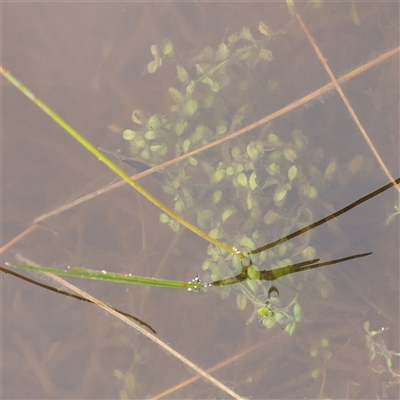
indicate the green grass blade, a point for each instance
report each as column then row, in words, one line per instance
column 79, row 272
column 110, row 164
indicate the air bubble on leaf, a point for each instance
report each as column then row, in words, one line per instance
column 128, row 134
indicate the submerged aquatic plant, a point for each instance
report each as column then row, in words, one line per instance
column 246, row 191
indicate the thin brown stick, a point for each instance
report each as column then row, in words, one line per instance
column 345, row 100
column 18, row 237
column 138, row 328
column 212, row 369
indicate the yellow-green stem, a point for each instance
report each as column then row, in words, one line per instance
column 111, row 165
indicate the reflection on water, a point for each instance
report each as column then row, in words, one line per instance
column 94, row 76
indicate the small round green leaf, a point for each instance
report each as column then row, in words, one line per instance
column 217, row 196
column 247, row 242
column 150, row 135
column 264, row 311
column 193, row 161
column 190, row 107
column 227, row 213
column 138, row 117
column 253, row 180
column 152, row 66
column 292, row 172
column 182, row 74
column 214, row 233
column 128, row 134
column 253, row 273
column 154, row 50
column 208, row 101
column 164, row 218
column 145, row 154
column 186, row 145
column 252, row 151
column 168, row 48
column 139, row 141
column 280, row 194
column 242, row 179
column 241, row 301
column 330, row 170
column 265, row 54
column 290, row 154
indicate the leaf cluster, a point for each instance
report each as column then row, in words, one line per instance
column 245, row 192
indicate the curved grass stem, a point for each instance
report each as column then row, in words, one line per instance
column 79, row 272
column 85, row 143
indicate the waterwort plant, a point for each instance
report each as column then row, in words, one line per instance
column 247, row 191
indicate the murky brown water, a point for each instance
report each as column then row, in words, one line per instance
column 88, row 62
